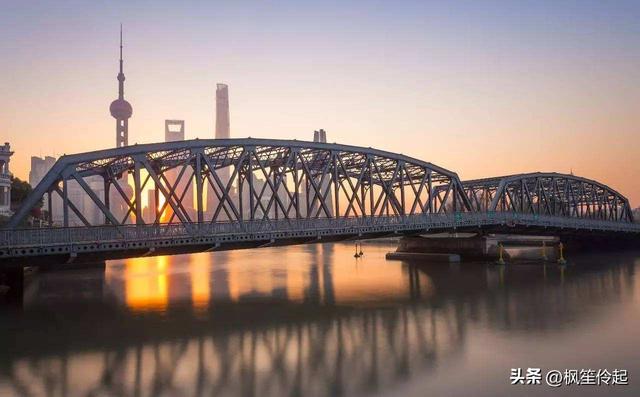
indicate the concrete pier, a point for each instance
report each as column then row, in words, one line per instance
column 427, row 257
column 469, row 246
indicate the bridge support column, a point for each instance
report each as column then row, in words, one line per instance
column 466, row 247
column 12, row 280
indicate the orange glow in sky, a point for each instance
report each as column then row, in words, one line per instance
column 482, row 90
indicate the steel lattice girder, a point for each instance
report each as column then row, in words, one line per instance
column 244, row 179
column 548, row 194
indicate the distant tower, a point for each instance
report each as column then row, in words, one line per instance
column 5, row 179
column 120, row 109
column 222, row 132
column 222, row 111
column 39, row 168
column 173, row 130
column 321, row 137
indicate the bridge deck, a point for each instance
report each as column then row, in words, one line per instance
column 110, row 242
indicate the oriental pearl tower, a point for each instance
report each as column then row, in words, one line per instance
column 120, row 109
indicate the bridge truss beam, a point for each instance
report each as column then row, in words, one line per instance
column 551, row 194
column 240, row 180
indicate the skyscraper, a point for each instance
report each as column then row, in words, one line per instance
column 222, row 132
column 222, row 111
column 321, row 137
column 39, row 168
column 174, row 131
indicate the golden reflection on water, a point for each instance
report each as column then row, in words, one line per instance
column 146, row 283
column 320, row 273
column 199, row 277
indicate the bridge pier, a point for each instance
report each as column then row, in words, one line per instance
column 468, row 247
column 12, row 284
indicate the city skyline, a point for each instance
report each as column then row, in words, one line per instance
column 495, row 97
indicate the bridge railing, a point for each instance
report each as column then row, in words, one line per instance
column 99, row 234
column 49, row 236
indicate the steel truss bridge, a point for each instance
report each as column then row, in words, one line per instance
column 200, row 195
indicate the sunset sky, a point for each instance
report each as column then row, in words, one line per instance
column 481, row 88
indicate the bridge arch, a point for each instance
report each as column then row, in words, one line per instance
column 236, row 180
column 548, row 193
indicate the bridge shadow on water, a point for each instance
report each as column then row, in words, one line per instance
column 308, row 320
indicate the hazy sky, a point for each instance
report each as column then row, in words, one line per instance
column 481, row 88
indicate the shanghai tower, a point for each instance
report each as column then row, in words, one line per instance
column 222, row 132
column 222, row 111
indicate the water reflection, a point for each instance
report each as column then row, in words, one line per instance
column 308, row 320
column 294, row 274
column 146, row 285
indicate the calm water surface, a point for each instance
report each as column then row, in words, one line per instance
column 312, row 320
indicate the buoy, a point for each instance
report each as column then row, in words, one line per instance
column 361, row 253
column 544, row 251
column 356, row 255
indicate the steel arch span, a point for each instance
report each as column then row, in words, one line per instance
column 549, row 194
column 238, row 180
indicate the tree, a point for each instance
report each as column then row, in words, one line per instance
column 20, row 190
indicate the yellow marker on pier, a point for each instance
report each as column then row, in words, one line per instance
column 500, row 260
column 561, row 259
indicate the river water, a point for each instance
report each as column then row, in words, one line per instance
column 312, row 320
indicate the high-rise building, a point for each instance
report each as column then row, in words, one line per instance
column 91, row 210
column 174, row 131
column 222, row 132
column 39, row 168
column 83, row 203
column 149, row 212
column 5, row 179
column 321, row 137
column 307, row 189
column 222, row 112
